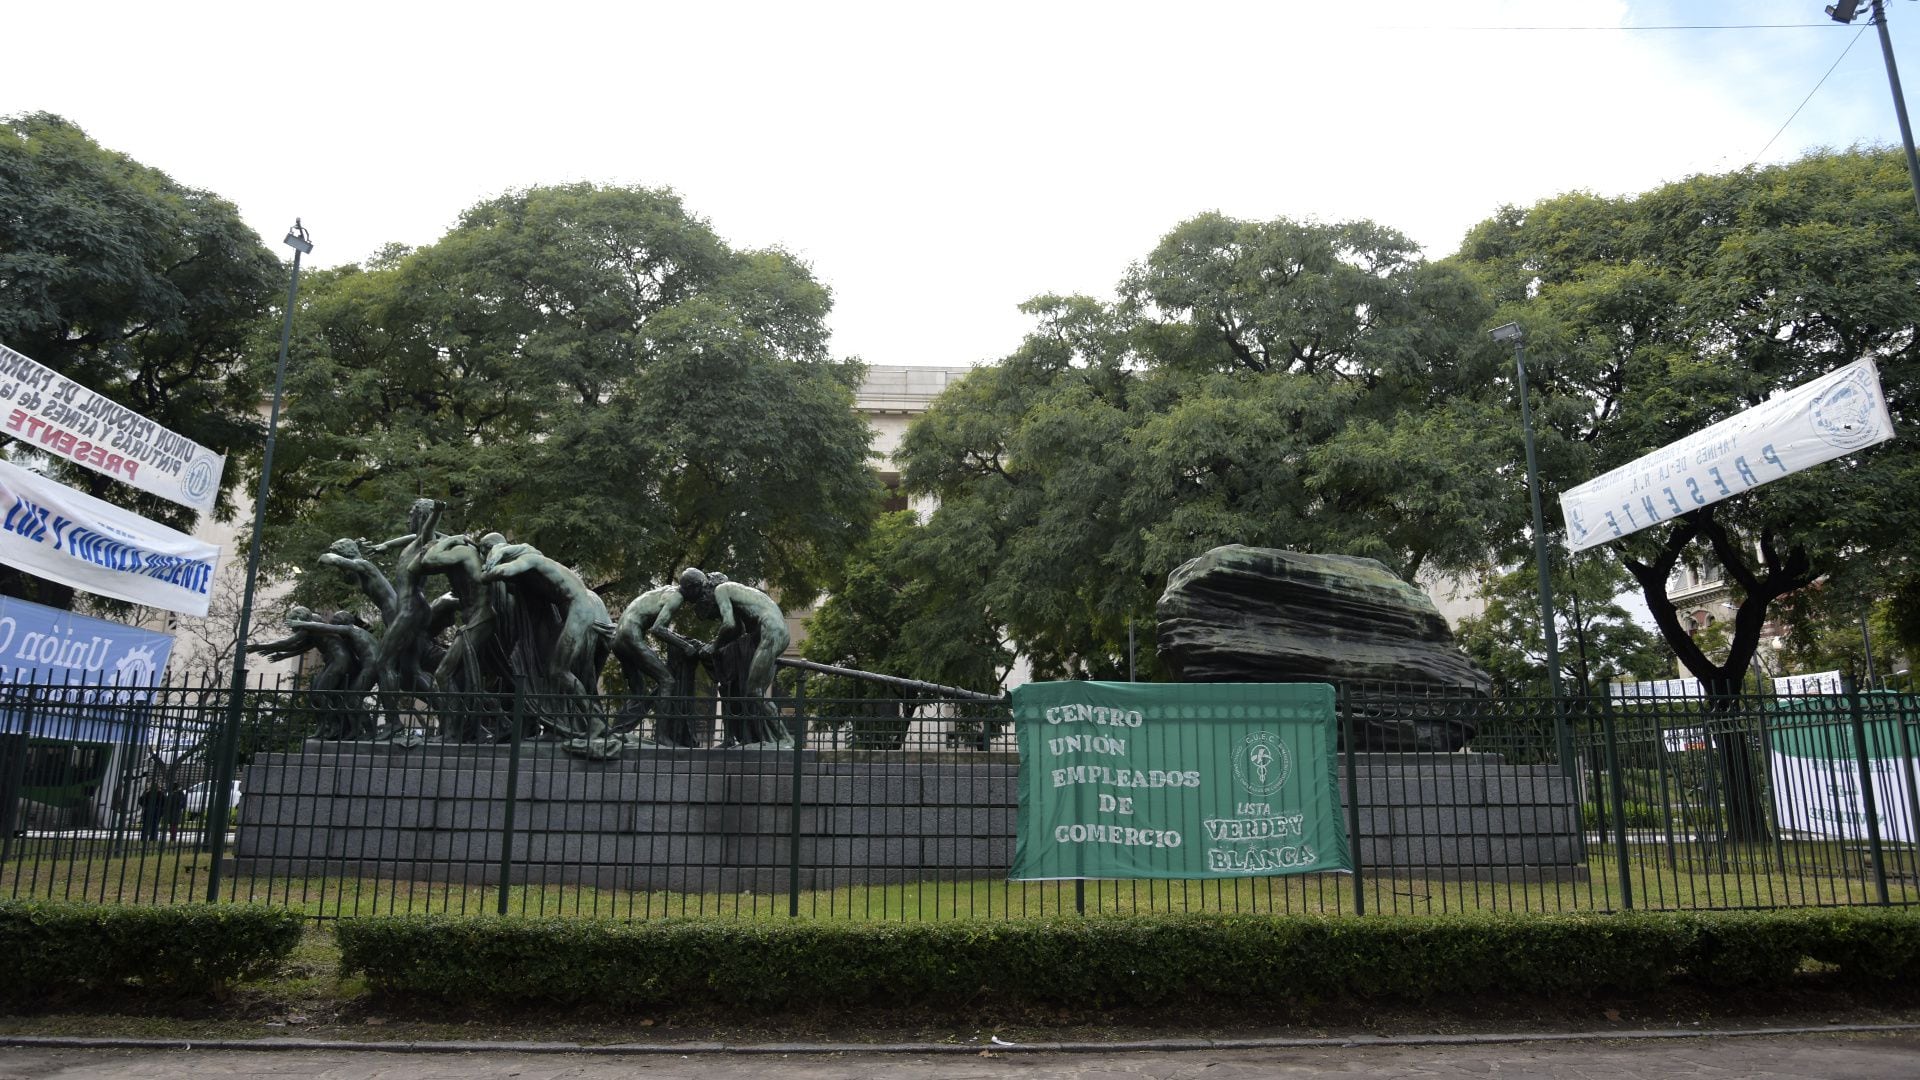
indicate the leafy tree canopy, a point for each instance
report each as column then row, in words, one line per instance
column 1651, row 317
column 1831, row 631
column 135, row 286
column 593, row 371
column 887, row 613
column 1305, row 386
column 1599, row 640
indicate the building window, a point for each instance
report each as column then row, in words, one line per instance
column 896, row 499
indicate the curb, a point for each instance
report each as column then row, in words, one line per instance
column 59, row 1042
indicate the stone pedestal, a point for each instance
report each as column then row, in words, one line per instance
column 732, row 821
column 681, row 820
column 1466, row 815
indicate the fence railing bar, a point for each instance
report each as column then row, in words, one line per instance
column 1862, row 758
column 512, row 798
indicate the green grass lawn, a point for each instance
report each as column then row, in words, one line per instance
column 1684, row 876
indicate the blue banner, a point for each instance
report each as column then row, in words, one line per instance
column 70, row 660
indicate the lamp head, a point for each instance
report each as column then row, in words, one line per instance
column 1509, row 332
column 1844, row 11
column 298, row 240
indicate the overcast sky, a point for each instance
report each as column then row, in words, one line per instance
column 938, row 164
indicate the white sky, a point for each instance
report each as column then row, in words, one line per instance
column 938, row 164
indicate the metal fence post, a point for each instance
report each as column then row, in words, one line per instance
column 1666, row 792
column 1352, row 731
column 793, row 809
column 1867, row 803
column 513, row 791
column 1618, row 803
column 1869, row 806
column 226, row 756
column 10, row 815
column 1906, row 762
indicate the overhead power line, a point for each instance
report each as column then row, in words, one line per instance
column 1816, row 89
column 1674, row 26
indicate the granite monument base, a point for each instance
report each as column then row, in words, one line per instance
column 735, row 821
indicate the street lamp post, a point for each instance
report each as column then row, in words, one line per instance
column 220, row 803
column 1564, row 739
column 1844, row 12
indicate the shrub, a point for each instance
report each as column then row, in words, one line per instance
column 1639, row 815
column 53, row 946
column 1742, row 949
column 1105, row 961
column 1867, row 944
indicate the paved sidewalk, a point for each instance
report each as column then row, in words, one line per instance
column 1800, row 1057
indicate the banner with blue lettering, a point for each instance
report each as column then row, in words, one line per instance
column 61, row 651
column 68, row 536
column 1830, row 417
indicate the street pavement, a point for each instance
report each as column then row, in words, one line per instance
column 1854, row 1056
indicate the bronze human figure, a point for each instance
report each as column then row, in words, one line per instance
column 576, row 638
column 293, row 644
column 749, row 620
column 346, row 555
column 401, row 661
column 476, row 661
column 342, row 633
column 337, row 667
column 656, row 680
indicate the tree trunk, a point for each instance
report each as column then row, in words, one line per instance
column 1732, row 736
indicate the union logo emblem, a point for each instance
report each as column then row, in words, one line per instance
column 1845, row 414
column 199, row 479
column 1261, row 763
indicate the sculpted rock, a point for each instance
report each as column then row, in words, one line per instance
column 1242, row 614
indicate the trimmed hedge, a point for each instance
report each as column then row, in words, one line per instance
column 1106, row 961
column 53, row 947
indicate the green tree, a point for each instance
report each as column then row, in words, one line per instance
column 1314, row 387
column 886, row 614
column 1830, row 631
column 590, row 370
column 1599, row 640
column 889, row 613
column 1653, row 316
column 137, row 287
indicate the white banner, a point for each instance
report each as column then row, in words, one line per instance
column 1831, row 416
column 55, row 415
column 1659, row 688
column 1817, row 780
column 63, row 535
column 1826, row 682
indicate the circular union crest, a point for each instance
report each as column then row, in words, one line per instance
column 136, row 668
column 199, row 479
column 1843, row 415
column 1261, row 763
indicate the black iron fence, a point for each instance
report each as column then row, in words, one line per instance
column 905, row 808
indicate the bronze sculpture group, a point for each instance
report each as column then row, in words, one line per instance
column 516, row 621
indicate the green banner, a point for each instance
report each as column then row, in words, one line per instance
column 1177, row 780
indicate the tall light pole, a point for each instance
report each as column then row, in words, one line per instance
column 1564, row 739
column 220, row 806
column 1844, row 12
